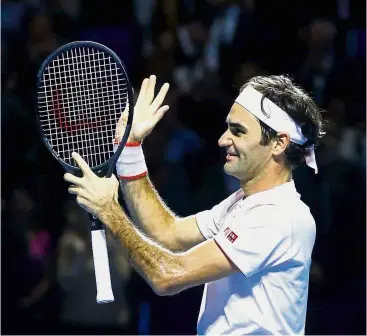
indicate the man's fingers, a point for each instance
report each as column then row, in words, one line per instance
column 74, row 190
column 143, row 91
column 77, row 181
column 82, row 164
column 82, row 202
column 160, row 113
column 160, row 97
column 150, row 91
column 82, row 197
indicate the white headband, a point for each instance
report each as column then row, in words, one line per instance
column 252, row 100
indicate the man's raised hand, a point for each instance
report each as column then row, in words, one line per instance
column 147, row 112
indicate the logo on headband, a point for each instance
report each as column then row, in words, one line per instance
column 230, row 235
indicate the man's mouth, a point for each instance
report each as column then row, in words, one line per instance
column 230, row 156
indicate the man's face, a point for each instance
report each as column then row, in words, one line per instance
column 245, row 158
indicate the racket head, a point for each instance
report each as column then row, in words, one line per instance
column 63, row 116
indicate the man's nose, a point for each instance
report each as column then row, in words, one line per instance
column 225, row 140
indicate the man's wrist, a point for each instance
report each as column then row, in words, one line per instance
column 131, row 163
column 107, row 212
column 116, row 141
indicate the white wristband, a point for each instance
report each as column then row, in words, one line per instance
column 131, row 163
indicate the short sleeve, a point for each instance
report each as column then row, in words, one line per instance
column 259, row 239
column 210, row 221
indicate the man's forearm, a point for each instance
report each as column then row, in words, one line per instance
column 157, row 265
column 147, row 209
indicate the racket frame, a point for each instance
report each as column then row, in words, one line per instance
column 111, row 162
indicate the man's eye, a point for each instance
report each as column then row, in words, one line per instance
column 236, row 131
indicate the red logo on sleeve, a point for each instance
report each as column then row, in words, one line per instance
column 230, row 235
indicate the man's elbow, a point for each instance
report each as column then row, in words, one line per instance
column 171, row 277
column 165, row 286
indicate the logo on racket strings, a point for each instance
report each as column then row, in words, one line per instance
column 61, row 118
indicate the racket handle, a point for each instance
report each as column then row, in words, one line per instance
column 101, row 266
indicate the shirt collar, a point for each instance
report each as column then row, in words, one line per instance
column 273, row 195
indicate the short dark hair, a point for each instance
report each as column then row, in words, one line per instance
column 284, row 93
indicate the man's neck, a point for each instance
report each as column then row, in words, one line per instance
column 265, row 181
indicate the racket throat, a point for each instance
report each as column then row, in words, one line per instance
column 96, row 223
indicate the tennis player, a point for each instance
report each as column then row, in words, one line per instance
column 253, row 250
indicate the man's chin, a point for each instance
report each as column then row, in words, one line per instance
column 232, row 170
column 229, row 170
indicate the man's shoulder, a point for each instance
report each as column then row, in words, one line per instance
column 286, row 211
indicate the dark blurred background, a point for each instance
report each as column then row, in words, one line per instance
column 206, row 49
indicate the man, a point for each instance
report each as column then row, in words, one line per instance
column 253, row 250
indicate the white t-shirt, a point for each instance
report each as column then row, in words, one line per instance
column 269, row 236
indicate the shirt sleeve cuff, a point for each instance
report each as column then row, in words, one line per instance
column 229, row 250
column 202, row 219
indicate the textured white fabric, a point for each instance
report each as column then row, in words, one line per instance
column 131, row 163
column 269, row 236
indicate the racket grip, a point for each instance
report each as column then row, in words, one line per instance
column 101, row 267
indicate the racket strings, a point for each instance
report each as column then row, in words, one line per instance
column 81, row 97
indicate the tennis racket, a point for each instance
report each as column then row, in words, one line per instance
column 82, row 90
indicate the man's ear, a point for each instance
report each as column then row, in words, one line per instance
column 281, row 143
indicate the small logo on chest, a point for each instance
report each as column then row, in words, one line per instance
column 230, row 235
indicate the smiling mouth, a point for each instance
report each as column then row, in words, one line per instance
column 230, row 156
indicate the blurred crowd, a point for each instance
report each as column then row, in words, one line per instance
column 206, row 49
